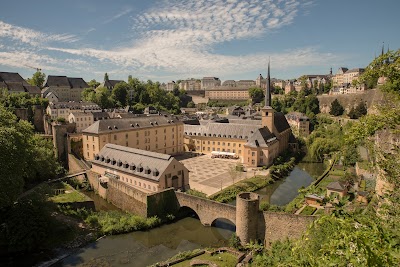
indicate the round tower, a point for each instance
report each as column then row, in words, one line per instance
column 247, row 204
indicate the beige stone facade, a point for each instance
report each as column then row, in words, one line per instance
column 299, row 122
column 81, row 119
column 151, row 133
column 227, row 93
column 63, row 109
column 65, row 88
column 146, row 171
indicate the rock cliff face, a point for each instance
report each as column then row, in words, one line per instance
column 370, row 97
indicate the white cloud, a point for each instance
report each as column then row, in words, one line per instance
column 118, row 15
column 32, row 37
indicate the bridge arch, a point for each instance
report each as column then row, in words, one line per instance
column 207, row 210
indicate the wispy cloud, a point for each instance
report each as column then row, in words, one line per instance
column 179, row 37
column 118, row 15
column 32, row 37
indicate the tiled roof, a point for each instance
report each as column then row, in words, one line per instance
column 12, row 77
column 97, row 115
column 77, row 83
column 15, row 87
column 111, row 83
column 280, row 121
column 134, row 161
column 32, row 89
column 261, row 138
column 225, row 130
column 75, row 105
column 142, row 122
column 57, row 81
column 337, row 186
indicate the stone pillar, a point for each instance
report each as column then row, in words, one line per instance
column 247, row 206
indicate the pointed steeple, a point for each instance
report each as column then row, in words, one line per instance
column 268, row 88
column 383, row 47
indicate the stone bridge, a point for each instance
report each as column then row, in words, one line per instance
column 207, row 210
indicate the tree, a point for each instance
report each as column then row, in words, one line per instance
column 89, row 95
column 256, row 94
column 106, row 77
column 103, row 98
column 336, row 108
column 119, row 94
column 191, row 104
column 358, row 112
column 93, row 84
column 37, row 79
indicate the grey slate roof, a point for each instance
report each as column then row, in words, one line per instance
column 77, row 83
column 75, row 105
column 336, row 186
column 57, row 81
column 226, row 130
column 280, row 121
column 134, row 161
column 261, row 138
column 142, row 122
column 14, row 83
column 101, row 115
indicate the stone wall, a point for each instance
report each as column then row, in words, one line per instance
column 127, row 198
column 162, row 203
column 207, row 210
column 370, row 97
column 279, row 226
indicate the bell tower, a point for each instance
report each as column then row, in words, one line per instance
column 267, row 112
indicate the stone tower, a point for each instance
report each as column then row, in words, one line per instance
column 247, row 216
column 267, row 112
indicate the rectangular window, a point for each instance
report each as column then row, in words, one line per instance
column 115, row 137
column 179, row 172
column 126, row 136
column 213, row 143
column 234, row 144
column 223, row 143
column 229, row 144
column 93, row 138
column 218, row 143
column 137, row 134
column 208, row 148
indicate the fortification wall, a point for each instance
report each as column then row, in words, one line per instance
column 370, row 97
column 279, row 226
column 127, row 198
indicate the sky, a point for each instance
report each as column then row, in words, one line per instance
column 177, row 39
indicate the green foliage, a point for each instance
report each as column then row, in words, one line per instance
column 247, row 185
column 256, row 94
column 93, row 84
column 20, row 100
column 308, row 210
column 358, row 112
column 116, row 222
column 37, row 79
column 119, row 94
column 60, row 120
column 350, row 155
column 24, row 157
column 106, row 77
column 191, row 104
column 226, row 103
column 234, row 241
column 196, row 193
column 336, row 108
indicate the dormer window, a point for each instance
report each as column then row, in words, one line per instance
column 132, row 167
column 156, row 172
column 147, row 170
column 137, row 124
column 140, row 168
column 107, row 159
column 119, row 163
column 126, row 165
column 102, row 158
column 109, row 128
column 96, row 157
column 113, row 161
column 115, row 127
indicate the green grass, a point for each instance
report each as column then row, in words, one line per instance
column 70, row 195
column 365, row 165
column 327, row 180
column 319, row 212
column 336, row 172
column 221, row 259
column 308, row 210
column 248, row 185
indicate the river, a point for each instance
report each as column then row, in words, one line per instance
column 144, row 248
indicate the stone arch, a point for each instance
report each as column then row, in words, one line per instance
column 224, row 223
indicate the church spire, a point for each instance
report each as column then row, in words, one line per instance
column 268, row 89
column 383, row 47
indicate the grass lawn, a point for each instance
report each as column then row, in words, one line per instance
column 308, row 210
column 327, row 180
column 70, row 195
column 319, row 212
column 337, row 172
column 223, row 260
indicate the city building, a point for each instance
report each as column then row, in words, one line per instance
column 63, row 109
column 14, row 83
column 170, row 86
column 65, row 88
column 109, row 84
column 190, row 85
column 146, row 171
column 255, row 142
column 82, row 120
column 299, row 122
column 210, row 82
column 344, row 76
column 227, row 93
column 162, row 134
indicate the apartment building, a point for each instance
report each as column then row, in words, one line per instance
column 210, row 82
column 63, row 109
column 64, row 88
column 161, row 134
column 146, row 171
column 299, row 122
column 190, row 85
column 14, row 83
column 227, row 93
column 345, row 76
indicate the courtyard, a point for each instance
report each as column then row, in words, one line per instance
column 210, row 175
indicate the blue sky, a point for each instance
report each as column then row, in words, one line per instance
column 170, row 40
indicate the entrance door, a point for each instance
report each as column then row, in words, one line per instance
column 175, row 183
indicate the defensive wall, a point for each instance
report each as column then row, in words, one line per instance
column 250, row 222
column 369, row 97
